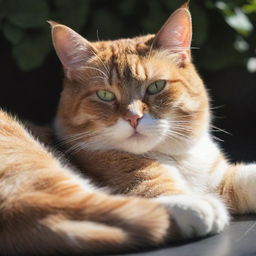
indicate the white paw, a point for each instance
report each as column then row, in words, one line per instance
column 196, row 216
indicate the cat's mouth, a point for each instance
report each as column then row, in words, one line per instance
column 137, row 135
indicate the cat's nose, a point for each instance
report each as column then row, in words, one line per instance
column 133, row 120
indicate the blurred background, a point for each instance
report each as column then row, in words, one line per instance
column 225, row 55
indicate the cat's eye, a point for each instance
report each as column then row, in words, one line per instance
column 156, row 87
column 105, row 95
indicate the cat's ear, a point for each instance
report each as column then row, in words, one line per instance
column 72, row 49
column 176, row 34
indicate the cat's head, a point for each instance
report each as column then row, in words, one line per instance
column 135, row 95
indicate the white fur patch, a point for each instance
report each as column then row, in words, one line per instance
column 196, row 216
column 121, row 135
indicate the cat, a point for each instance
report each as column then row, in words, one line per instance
column 134, row 115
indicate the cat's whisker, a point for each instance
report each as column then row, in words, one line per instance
column 96, row 144
column 180, row 130
column 216, row 107
column 150, row 50
column 104, row 65
column 179, row 124
column 217, row 138
column 68, row 141
column 78, row 146
column 97, row 34
column 97, row 69
column 98, row 77
column 175, row 138
column 73, row 138
column 179, row 121
column 189, row 114
column 78, row 135
column 71, row 149
column 195, row 48
column 176, row 133
column 174, row 49
column 182, row 127
column 178, row 137
column 185, row 115
column 183, row 130
column 217, row 129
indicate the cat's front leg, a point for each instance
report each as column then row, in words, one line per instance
column 238, row 188
column 196, row 215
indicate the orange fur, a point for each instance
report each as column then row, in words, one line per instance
column 128, row 174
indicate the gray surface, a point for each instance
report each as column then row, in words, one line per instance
column 239, row 239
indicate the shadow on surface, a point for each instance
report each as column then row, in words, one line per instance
column 237, row 240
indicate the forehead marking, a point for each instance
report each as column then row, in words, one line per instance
column 140, row 71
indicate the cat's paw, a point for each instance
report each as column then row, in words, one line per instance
column 196, row 216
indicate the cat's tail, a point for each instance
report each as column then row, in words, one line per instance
column 41, row 224
column 45, row 208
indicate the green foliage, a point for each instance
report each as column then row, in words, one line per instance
column 23, row 23
column 224, row 30
column 27, row 13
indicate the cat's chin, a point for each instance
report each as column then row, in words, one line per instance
column 137, row 143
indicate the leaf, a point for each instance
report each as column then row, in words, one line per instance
column 28, row 13
column 71, row 13
column 240, row 22
column 250, row 8
column 31, row 52
column 12, row 33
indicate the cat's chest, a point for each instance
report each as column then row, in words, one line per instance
column 193, row 168
column 189, row 172
column 185, row 176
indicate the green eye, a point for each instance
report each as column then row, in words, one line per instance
column 105, row 95
column 156, row 87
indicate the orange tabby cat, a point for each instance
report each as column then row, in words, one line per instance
column 135, row 115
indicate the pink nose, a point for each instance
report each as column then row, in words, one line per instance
column 133, row 119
